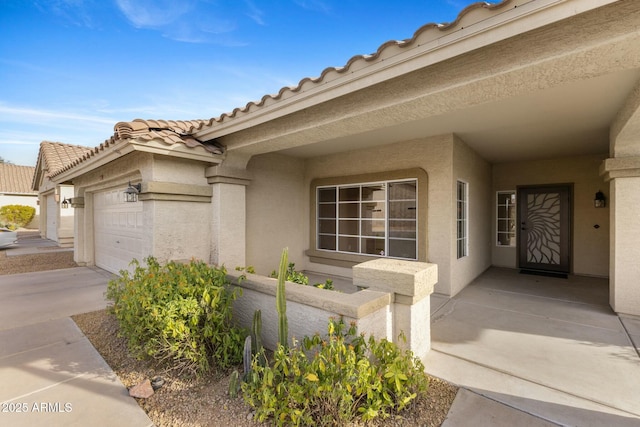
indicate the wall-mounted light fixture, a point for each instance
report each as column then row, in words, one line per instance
column 132, row 191
column 65, row 203
column 600, row 201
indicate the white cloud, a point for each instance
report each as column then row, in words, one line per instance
column 76, row 12
column 154, row 13
column 314, row 5
column 27, row 115
column 255, row 13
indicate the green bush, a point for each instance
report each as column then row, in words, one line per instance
column 345, row 378
column 17, row 215
column 301, row 279
column 178, row 314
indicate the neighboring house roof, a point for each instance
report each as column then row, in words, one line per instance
column 16, row 179
column 54, row 156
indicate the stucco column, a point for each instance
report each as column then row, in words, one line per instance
column 410, row 283
column 623, row 175
column 229, row 216
column 79, row 227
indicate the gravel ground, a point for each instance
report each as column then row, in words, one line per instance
column 205, row 402
column 37, row 262
column 193, row 402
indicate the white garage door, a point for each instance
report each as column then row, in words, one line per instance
column 52, row 218
column 118, row 230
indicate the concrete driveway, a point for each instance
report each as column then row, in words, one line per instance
column 50, row 374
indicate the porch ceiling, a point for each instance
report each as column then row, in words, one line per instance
column 567, row 120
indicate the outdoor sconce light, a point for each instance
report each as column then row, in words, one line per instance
column 132, row 191
column 600, row 201
column 65, row 203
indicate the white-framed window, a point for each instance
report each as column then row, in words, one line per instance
column 462, row 219
column 372, row 218
column 506, row 218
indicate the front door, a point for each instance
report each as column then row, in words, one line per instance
column 544, row 216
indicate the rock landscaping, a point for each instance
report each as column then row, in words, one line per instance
column 172, row 399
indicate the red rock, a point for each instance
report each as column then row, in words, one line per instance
column 142, row 390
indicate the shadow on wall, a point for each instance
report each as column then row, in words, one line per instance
column 34, row 224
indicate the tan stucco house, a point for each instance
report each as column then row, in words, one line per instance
column 56, row 218
column 15, row 188
column 510, row 137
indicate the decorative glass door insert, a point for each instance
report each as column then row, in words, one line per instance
column 544, row 217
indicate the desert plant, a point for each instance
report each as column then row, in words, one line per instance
column 234, row 384
column 281, row 301
column 335, row 380
column 17, row 215
column 178, row 313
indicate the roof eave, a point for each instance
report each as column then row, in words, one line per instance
column 124, row 147
column 519, row 18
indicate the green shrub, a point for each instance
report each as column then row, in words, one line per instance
column 179, row 314
column 17, row 215
column 301, row 279
column 345, row 378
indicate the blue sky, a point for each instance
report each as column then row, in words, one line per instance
column 71, row 69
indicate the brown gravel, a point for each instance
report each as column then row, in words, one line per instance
column 38, row 262
column 193, row 402
column 205, row 402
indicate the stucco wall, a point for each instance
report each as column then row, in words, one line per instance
column 590, row 245
column 309, row 309
column 181, row 229
column 172, row 229
column 25, row 200
column 276, row 212
column 435, row 156
column 469, row 167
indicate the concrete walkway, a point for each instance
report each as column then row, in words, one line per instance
column 536, row 351
column 525, row 350
column 50, row 374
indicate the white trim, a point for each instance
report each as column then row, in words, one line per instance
column 464, row 219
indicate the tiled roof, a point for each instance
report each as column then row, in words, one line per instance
column 428, row 31
column 168, row 132
column 16, row 179
column 176, row 131
column 57, row 155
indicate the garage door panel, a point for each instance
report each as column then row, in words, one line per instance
column 118, row 229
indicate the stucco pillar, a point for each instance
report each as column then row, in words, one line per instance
column 410, row 283
column 623, row 175
column 229, row 216
column 80, row 229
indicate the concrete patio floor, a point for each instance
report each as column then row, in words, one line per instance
column 537, row 351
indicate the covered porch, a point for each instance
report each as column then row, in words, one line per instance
column 550, row 347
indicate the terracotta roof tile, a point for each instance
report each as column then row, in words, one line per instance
column 176, row 131
column 471, row 14
column 57, row 155
column 16, row 179
column 168, row 132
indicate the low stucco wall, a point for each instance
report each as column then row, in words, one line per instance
column 309, row 309
column 393, row 302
